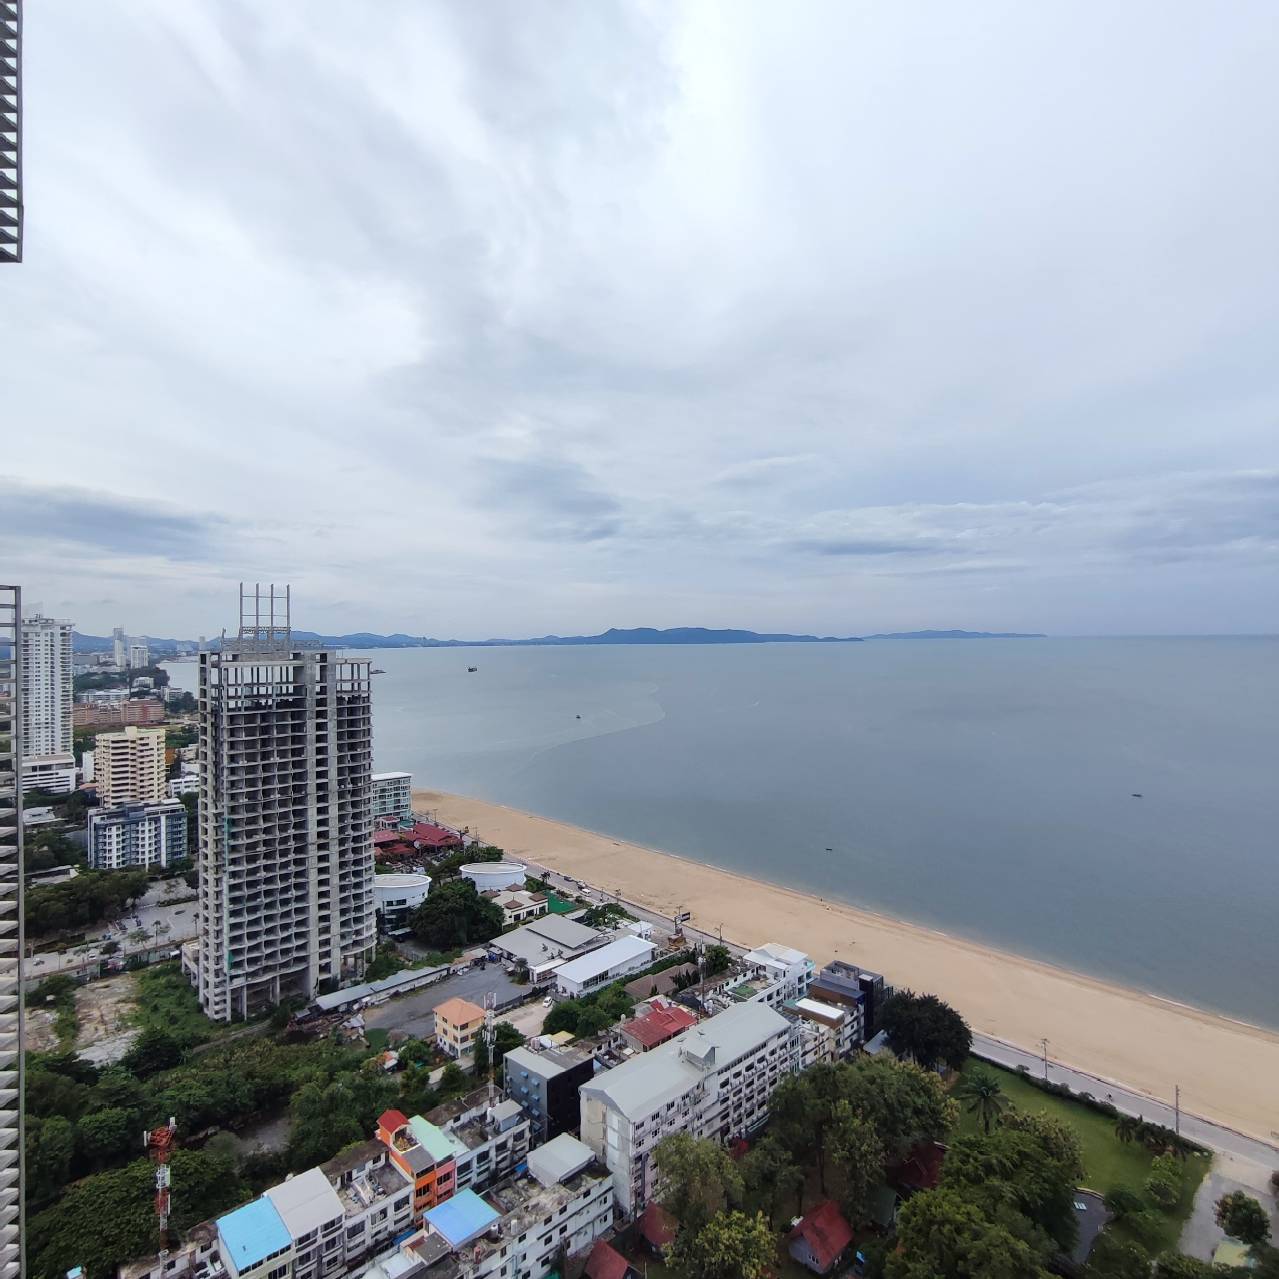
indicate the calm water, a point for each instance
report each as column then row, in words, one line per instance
column 981, row 787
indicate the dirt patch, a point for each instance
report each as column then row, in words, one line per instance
column 105, row 1010
column 38, row 1033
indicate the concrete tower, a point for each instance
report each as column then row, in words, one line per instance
column 11, row 1135
column 286, row 825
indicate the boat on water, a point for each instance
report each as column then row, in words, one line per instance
column 470, row 670
column 376, row 670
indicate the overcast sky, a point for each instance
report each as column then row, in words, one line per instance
column 482, row 318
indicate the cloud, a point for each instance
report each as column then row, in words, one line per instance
column 555, row 318
column 106, row 523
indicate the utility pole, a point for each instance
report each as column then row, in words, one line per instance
column 1177, row 1107
column 1044, row 1045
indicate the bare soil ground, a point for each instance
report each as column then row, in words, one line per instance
column 38, row 1033
column 104, row 1009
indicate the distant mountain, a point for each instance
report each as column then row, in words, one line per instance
column 956, row 635
column 368, row 639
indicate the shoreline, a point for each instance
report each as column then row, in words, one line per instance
column 1226, row 1067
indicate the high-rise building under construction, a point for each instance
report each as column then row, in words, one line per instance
column 285, row 815
column 10, row 130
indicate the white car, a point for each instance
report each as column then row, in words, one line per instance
column 547, row 1002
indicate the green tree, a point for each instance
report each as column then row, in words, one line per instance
column 730, row 1245
column 108, row 1216
column 771, row 1180
column 981, row 1095
column 106, row 1136
column 1022, row 1169
column 941, row 1235
column 505, row 1037
column 1123, row 1201
column 1116, row 1258
column 454, row 914
column 481, row 1064
column 1126, row 1128
column 927, row 1030
column 718, row 959
column 1172, row 1265
column 858, row 1158
column 50, row 1146
column 1243, row 1218
column 591, row 1019
column 453, row 1081
column 904, row 1103
column 154, row 1050
column 698, row 1180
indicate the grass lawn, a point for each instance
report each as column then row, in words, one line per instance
column 561, row 906
column 378, row 1039
column 1108, row 1162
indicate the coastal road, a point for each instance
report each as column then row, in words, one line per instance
column 1214, row 1136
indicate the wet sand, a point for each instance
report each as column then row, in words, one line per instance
column 1228, row 1070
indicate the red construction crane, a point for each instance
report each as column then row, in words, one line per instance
column 159, row 1145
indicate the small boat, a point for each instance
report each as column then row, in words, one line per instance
column 1136, row 794
column 470, row 670
column 579, row 717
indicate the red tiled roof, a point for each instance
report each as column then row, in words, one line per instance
column 921, row 1169
column 660, row 1023
column 605, row 1262
column 826, row 1233
column 386, row 837
column 392, row 1120
column 656, row 1226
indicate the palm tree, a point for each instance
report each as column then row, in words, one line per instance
column 983, row 1096
column 1126, row 1128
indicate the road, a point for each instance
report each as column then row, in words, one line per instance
column 175, row 920
column 1213, row 1136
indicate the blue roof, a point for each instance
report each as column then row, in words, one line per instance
column 253, row 1232
column 461, row 1218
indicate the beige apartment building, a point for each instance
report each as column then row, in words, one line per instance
column 129, row 766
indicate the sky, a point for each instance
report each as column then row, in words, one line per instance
column 528, row 317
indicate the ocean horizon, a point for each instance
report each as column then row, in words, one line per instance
column 1104, row 804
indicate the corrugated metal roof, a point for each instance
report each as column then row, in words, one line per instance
column 594, row 962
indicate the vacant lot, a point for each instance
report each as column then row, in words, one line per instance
column 105, row 1012
column 1108, row 1162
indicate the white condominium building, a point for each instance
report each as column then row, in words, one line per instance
column 129, row 766
column 137, row 836
column 46, row 705
column 714, row 1081
column 788, row 972
column 286, row 822
column 393, row 797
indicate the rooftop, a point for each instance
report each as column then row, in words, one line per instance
column 559, row 1159
column 621, row 951
column 661, row 1022
column 544, row 940
column 641, row 1085
column 305, row 1202
column 548, row 1062
column 665, row 981
column 826, row 1233
column 460, row 1012
column 402, row 881
column 462, row 1218
column 253, row 1232
column 775, row 953
column 605, row 1262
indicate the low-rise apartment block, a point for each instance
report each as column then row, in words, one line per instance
column 516, row 1231
column 137, row 710
column 313, row 1215
column 457, row 1023
column 377, row 1198
column 714, row 1081
column 848, row 985
column 466, row 1144
column 545, row 1082
column 137, row 836
column 786, row 972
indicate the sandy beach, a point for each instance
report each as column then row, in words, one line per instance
column 1228, row 1071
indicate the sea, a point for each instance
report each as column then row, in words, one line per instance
column 1109, row 805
